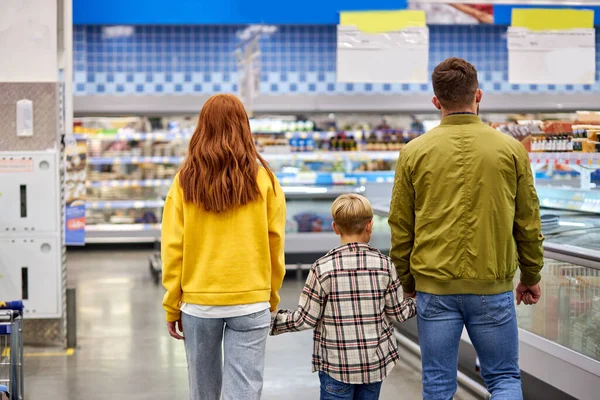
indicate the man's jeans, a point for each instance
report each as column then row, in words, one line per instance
column 492, row 326
column 332, row 389
column 239, row 371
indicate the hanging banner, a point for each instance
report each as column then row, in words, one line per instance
column 548, row 46
column 75, row 193
column 382, row 47
column 248, row 56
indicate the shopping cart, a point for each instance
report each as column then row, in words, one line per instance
column 11, row 350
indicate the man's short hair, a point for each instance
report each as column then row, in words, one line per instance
column 455, row 83
column 351, row 213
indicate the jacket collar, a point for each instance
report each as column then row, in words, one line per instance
column 351, row 248
column 461, row 119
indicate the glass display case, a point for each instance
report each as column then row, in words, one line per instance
column 559, row 338
column 569, row 311
column 129, row 174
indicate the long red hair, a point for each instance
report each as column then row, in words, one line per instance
column 220, row 171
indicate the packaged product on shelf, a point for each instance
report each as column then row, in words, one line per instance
column 310, row 143
column 525, row 131
column 556, row 136
column 313, row 222
column 302, row 142
column 585, row 138
column 291, row 226
column 295, row 143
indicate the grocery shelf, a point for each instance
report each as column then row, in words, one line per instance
column 137, row 136
column 334, row 178
column 305, row 156
column 162, row 136
column 129, row 183
column 319, row 192
column 285, row 178
column 122, row 227
column 123, row 204
column 320, row 242
column 333, row 156
column 291, row 192
column 570, row 158
column 169, row 136
column 573, row 158
column 122, row 233
column 569, row 199
column 133, row 160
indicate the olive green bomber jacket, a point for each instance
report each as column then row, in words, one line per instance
column 464, row 213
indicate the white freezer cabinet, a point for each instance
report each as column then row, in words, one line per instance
column 30, row 269
column 29, row 193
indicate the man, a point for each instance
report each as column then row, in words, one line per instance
column 464, row 215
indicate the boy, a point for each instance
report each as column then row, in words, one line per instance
column 349, row 299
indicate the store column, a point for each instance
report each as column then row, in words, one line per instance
column 32, row 253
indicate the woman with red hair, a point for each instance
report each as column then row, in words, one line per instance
column 222, row 249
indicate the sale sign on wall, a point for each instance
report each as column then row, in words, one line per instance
column 75, row 194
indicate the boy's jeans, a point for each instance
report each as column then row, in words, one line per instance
column 492, row 326
column 336, row 390
column 242, row 339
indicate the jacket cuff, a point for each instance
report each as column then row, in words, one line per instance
column 273, row 331
column 530, row 280
column 173, row 316
column 273, row 302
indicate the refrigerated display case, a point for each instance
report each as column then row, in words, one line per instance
column 559, row 338
column 129, row 174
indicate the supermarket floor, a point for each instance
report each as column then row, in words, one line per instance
column 125, row 352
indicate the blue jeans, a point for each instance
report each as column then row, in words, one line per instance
column 492, row 326
column 336, row 390
column 226, row 356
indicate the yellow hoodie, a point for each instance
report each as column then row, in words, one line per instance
column 220, row 259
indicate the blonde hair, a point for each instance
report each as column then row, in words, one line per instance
column 351, row 213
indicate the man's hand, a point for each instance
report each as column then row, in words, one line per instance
column 173, row 326
column 411, row 294
column 528, row 294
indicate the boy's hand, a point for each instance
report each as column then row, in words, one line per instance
column 410, row 295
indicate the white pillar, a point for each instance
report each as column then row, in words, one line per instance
column 28, row 41
column 32, row 54
column 65, row 61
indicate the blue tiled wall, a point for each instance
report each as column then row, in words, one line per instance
column 296, row 59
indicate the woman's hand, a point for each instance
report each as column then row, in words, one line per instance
column 173, row 326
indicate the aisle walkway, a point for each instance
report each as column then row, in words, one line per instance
column 126, row 353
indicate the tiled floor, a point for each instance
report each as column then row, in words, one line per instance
column 125, row 352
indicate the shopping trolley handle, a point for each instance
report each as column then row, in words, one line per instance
column 16, row 305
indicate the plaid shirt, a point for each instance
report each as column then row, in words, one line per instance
column 350, row 298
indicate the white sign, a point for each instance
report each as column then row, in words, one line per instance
column 390, row 57
column 551, row 57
